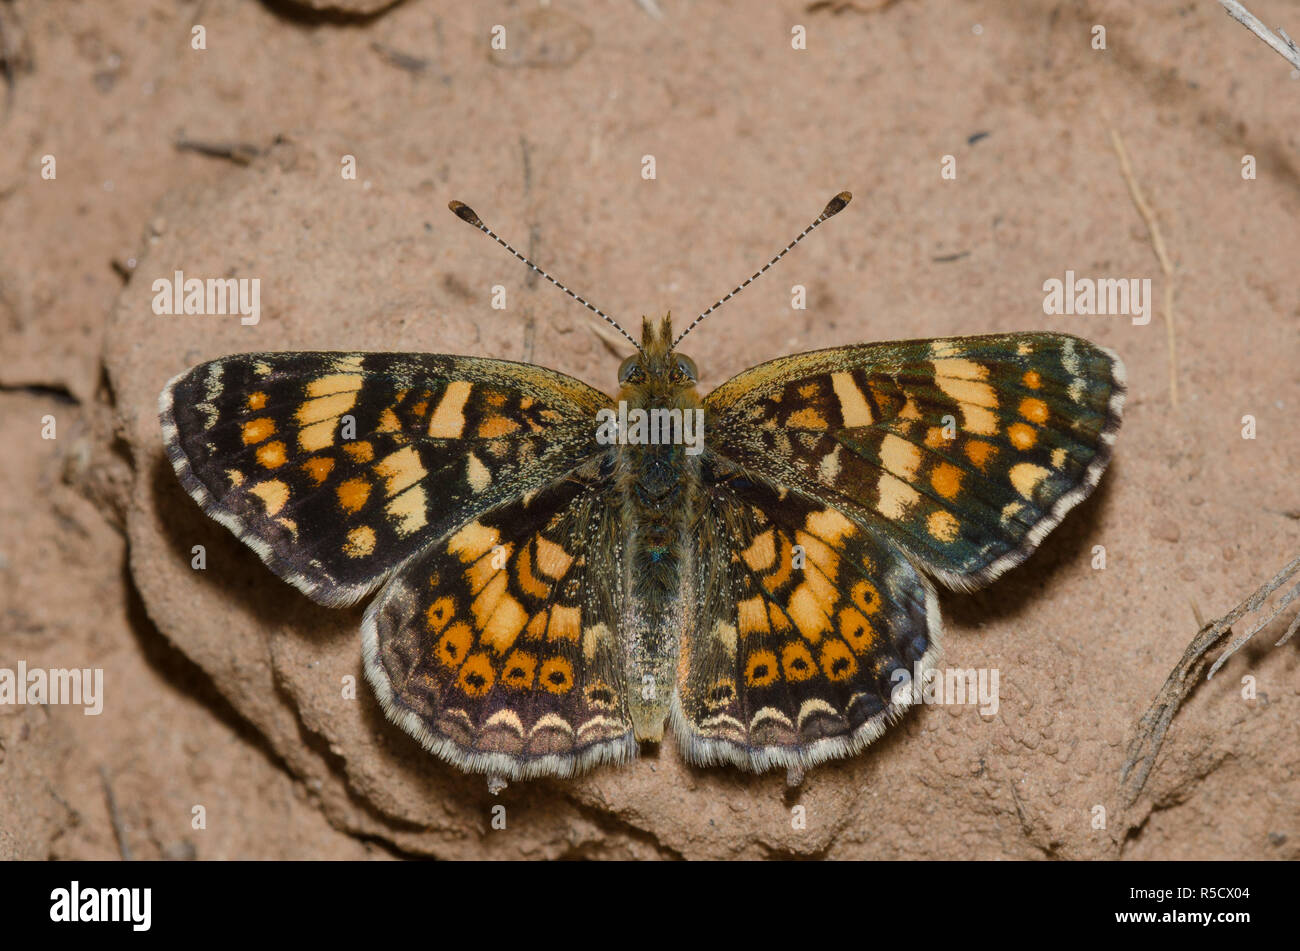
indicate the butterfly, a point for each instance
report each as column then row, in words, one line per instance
column 562, row 575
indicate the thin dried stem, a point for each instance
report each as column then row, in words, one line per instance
column 1283, row 45
column 1166, row 266
column 1153, row 726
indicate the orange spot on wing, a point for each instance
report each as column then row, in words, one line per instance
column 496, row 426
column 866, row 596
column 856, row 629
column 352, row 494
column 489, row 585
column 255, row 401
column 808, row 611
column 556, row 675
column 552, row 560
column 780, row 623
column 935, row 438
column 942, row 526
column 537, row 624
column 271, row 455
column 518, row 670
column 979, row 452
column 946, row 479
column 476, row 675
column 359, row 451
column 454, row 645
column 273, row 493
column 439, row 613
column 761, row 551
column 565, row 624
column 1022, row 436
column 807, row 418
column 324, row 408
column 318, row 468
column 822, row 557
column 761, row 669
column 1025, row 477
column 837, row 661
column 829, row 525
column 1034, row 410
column 1032, row 380
column 255, row 430
column 401, row 469
column 470, row 543
column 505, row 624
column 360, row 543
column 797, row 662
column 751, row 616
column 480, row 573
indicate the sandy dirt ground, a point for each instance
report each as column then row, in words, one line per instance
column 227, row 729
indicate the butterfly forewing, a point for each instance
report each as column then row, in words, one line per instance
column 336, row 467
column 964, row 451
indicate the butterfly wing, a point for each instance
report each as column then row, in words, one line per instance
column 810, row 630
column 833, row 479
column 496, row 647
column 964, row 451
column 337, row 467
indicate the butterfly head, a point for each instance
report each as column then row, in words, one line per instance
column 657, row 366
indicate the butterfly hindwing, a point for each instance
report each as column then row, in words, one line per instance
column 336, row 467
column 497, row 648
column 810, row 630
column 964, row 451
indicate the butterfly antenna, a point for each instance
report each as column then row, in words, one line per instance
column 833, row 207
column 465, row 213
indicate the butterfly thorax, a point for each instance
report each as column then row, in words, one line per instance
column 658, row 480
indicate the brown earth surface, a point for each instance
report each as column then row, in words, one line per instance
column 225, row 688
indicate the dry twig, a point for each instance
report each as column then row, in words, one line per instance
column 241, row 153
column 1153, row 726
column 119, row 827
column 1281, row 44
column 651, row 9
column 1166, row 266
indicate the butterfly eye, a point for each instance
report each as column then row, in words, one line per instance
column 629, row 371
column 686, row 368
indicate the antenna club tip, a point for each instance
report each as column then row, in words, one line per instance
column 465, row 213
column 837, row 204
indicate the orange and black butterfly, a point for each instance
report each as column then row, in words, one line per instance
column 562, row 573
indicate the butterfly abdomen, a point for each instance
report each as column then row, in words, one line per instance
column 659, row 485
